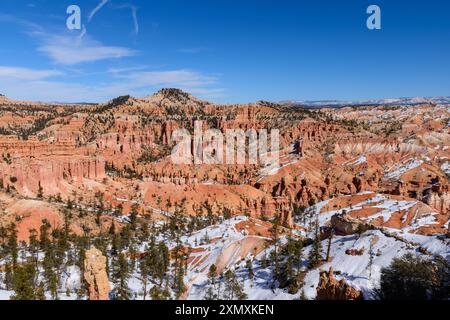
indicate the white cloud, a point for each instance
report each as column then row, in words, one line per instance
column 70, row 50
column 27, row 74
column 27, row 84
column 180, row 78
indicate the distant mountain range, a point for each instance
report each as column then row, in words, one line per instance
column 395, row 101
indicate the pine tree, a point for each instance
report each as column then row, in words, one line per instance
column 44, row 240
column 290, row 251
column 156, row 293
column 23, row 281
column 12, row 246
column 145, row 270
column 33, row 247
column 178, row 269
column 40, row 292
column 120, row 277
column 371, row 258
column 209, row 295
column 134, row 215
column 303, row 295
column 275, row 242
column 315, row 256
column 8, row 278
column 330, row 238
column 50, row 273
column 249, row 266
column 233, row 289
column 212, row 275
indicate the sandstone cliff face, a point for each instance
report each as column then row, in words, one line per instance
column 325, row 153
column 331, row 289
column 95, row 275
column 54, row 174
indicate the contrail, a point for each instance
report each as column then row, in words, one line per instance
column 83, row 32
column 136, row 24
column 97, row 9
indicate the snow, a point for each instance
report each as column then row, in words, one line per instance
column 72, row 278
column 400, row 169
column 5, row 295
column 273, row 169
column 446, row 167
column 362, row 159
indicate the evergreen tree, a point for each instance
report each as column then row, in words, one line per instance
column 33, row 246
column 8, row 278
column 23, row 283
column 44, row 240
column 134, row 215
column 330, row 239
column 275, row 241
column 371, row 257
column 210, row 292
column 209, row 295
column 156, row 293
column 12, row 246
column 145, row 266
column 303, row 295
column 40, row 292
column 233, row 289
column 178, row 269
column 249, row 266
column 50, row 273
column 120, row 277
column 315, row 255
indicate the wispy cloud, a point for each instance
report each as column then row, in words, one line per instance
column 70, row 50
column 177, row 78
column 20, row 22
column 29, row 84
column 97, row 9
column 67, row 48
column 27, row 74
column 119, row 71
column 135, row 19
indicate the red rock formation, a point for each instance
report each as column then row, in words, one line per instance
column 95, row 275
column 331, row 289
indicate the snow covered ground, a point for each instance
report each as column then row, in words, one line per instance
column 231, row 243
column 385, row 244
column 400, row 169
column 356, row 162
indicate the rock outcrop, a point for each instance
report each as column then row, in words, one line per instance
column 343, row 225
column 331, row 289
column 95, row 275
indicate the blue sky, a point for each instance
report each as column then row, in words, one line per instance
column 224, row 50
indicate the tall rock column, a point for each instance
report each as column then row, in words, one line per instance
column 95, row 275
